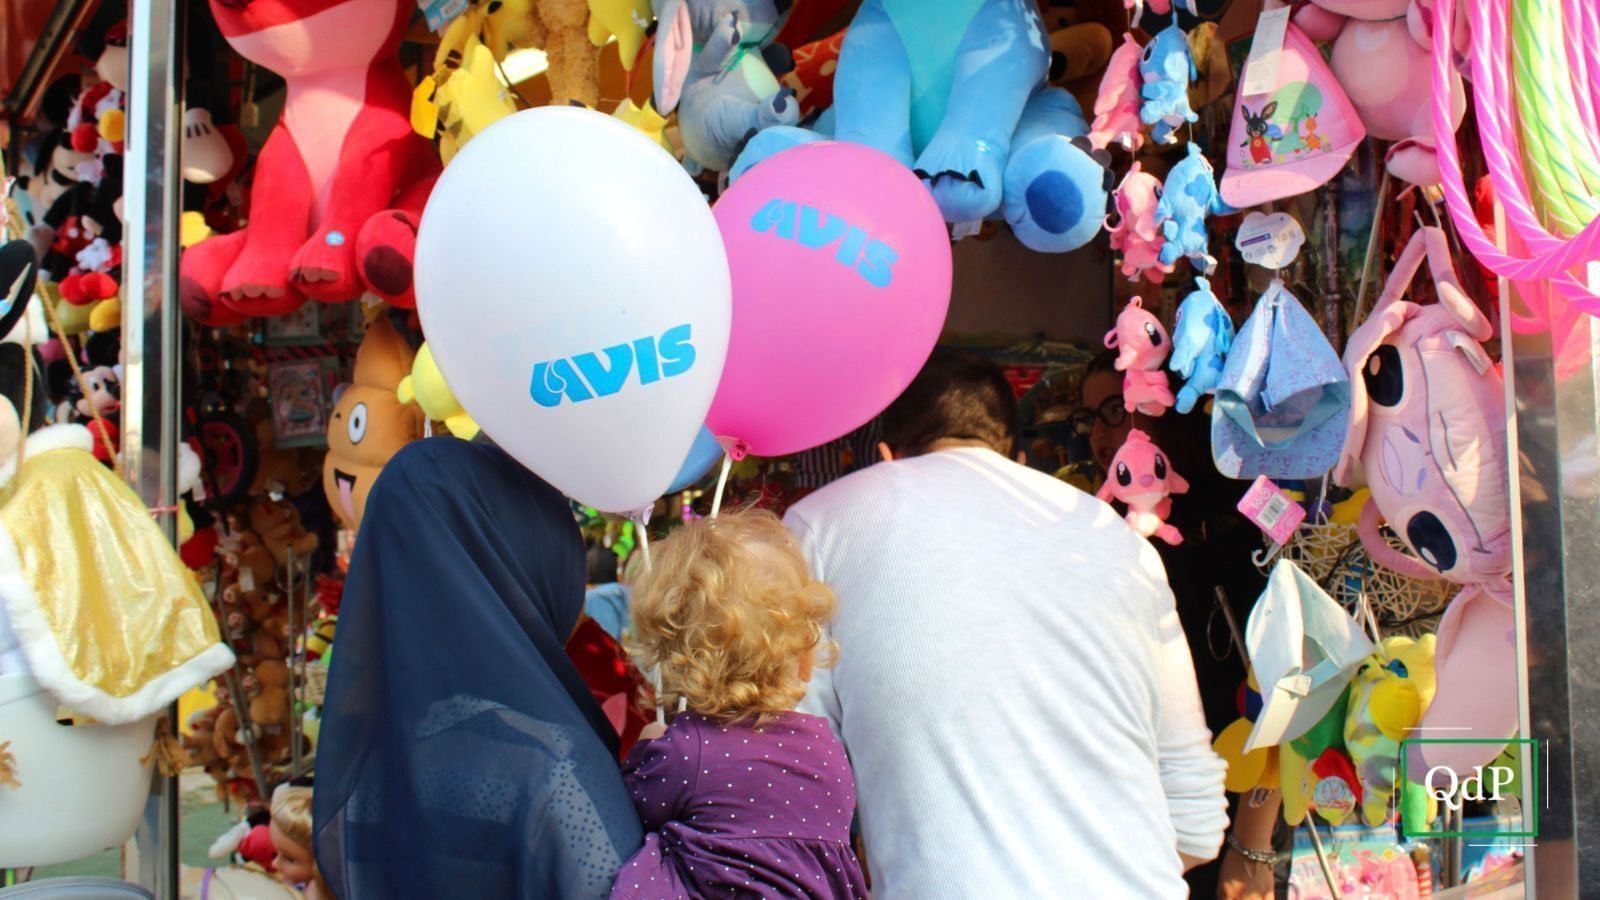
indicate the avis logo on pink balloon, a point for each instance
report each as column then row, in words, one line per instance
column 872, row 259
column 585, row 376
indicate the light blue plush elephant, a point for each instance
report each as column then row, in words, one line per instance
column 1187, row 198
column 1201, row 339
column 711, row 65
column 955, row 90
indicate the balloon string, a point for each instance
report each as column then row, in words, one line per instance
column 722, row 484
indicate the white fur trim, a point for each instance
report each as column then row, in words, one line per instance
column 51, row 437
column 44, row 657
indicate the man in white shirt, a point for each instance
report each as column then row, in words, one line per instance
column 1012, row 683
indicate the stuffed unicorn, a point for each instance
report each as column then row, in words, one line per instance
column 1141, row 477
column 1136, row 234
column 1142, row 346
column 1189, row 197
column 1116, row 107
column 1201, row 339
column 1167, row 68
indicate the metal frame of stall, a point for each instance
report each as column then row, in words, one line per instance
column 1554, row 425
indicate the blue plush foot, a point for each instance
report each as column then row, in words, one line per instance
column 770, row 142
column 964, row 175
column 1055, row 195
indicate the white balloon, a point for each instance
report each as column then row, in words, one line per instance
column 574, row 291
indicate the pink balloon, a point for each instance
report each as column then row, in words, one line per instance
column 841, row 281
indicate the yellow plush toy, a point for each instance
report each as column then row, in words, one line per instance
column 646, row 119
column 463, row 97
column 561, row 27
column 1391, row 691
column 426, row 388
column 625, row 20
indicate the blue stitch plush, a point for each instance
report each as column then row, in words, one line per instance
column 1167, row 68
column 1200, row 342
column 1189, row 196
column 955, row 91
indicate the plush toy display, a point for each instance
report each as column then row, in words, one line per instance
column 1137, row 235
column 956, row 92
column 464, row 95
column 1201, row 339
column 709, row 66
column 1142, row 346
column 277, row 524
column 340, row 184
column 1142, row 478
column 561, row 28
column 369, row 423
column 1116, row 109
column 1385, row 67
column 1391, row 691
column 1189, row 197
column 426, row 388
column 1166, row 69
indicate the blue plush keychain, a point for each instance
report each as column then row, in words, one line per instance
column 1200, row 342
column 1167, row 68
column 1187, row 198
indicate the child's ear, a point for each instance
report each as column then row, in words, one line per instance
column 885, row 452
column 808, row 661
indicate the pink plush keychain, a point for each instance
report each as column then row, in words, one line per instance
column 1142, row 346
column 1142, row 478
column 1116, row 107
column 1136, row 235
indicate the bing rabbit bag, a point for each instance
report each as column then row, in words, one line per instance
column 1427, row 426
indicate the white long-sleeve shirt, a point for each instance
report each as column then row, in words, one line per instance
column 1012, row 685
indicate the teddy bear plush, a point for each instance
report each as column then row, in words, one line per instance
column 341, row 181
column 269, row 708
column 369, row 423
column 278, row 525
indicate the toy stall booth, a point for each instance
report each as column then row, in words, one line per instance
column 1303, row 291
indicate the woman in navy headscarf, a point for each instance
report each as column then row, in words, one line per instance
column 461, row 755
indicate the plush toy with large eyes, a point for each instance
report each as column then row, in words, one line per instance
column 1142, row 346
column 369, row 423
column 1142, row 478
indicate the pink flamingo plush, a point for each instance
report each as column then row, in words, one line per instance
column 1142, row 478
column 1142, row 344
column 1116, row 107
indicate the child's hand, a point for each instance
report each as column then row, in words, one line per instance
column 652, row 731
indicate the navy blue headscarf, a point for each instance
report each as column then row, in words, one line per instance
column 461, row 754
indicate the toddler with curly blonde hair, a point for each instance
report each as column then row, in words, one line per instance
column 740, row 794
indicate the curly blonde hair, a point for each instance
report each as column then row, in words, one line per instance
column 727, row 613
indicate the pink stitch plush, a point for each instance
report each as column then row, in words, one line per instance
column 1142, row 478
column 1116, row 108
column 1136, row 234
column 1142, row 346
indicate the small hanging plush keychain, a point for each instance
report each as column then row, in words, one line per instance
column 1142, row 346
column 1142, row 478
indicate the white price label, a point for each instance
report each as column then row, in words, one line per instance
column 1270, row 241
column 1261, row 67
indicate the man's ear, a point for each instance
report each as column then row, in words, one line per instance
column 885, row 452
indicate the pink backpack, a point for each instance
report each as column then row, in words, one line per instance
column 1427, row 424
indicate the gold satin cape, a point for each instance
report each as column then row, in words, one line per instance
column 110, row 620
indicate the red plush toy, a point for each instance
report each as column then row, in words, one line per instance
column 341, row 181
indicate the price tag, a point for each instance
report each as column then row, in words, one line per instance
column 1270, row 241
column 1272, row 510
column 1266, row 48
column 438, row 13
column 247, row 579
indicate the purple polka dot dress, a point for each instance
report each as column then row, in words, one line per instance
column 736, row 810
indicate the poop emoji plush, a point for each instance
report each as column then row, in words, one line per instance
column 369, row 423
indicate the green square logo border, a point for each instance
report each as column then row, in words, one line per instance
column 1532, row 832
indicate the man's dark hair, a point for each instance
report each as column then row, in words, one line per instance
column 601, row 563
column 956, row 396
